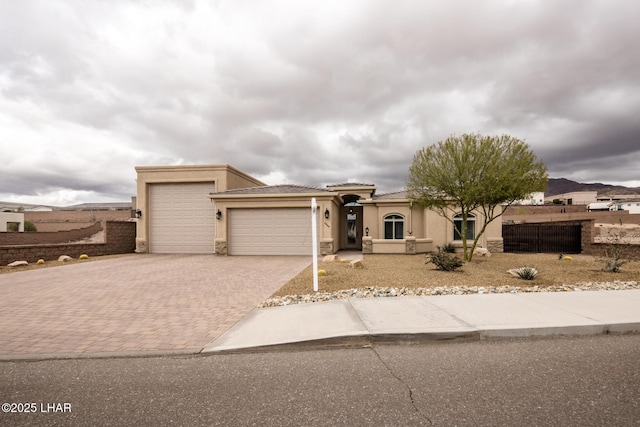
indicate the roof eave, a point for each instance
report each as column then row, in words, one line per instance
column 222, row 196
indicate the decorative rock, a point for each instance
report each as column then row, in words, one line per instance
column 84, row 256
column 379, row 292
column 322, row 273
column 40, row 261
column 482, row 252
column 329, row 258
column 17, row 263
column 343, row 261
column 64, row 258
column 356, row 263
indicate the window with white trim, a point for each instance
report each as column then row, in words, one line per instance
column 471, row 227
column 393, row 227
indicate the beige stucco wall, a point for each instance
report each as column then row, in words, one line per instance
column 328, row 230
column 441, row 230
column 428, row 228
column 224, row 178
column 577, row 197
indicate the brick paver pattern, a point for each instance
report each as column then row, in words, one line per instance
column 134, row 303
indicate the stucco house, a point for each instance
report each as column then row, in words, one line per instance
column 631, row 205
column 7, row 218
column 574, row 198
column 219, row 209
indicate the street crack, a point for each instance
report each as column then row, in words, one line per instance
column 413, row 402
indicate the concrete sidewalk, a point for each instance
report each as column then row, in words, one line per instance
column 362, row 321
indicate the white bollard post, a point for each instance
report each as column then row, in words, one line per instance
column 314, row 241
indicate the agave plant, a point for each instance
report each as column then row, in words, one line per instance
column 525, row 273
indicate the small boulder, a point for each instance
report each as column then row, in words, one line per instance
column 17, row 263
column 64, row 258
column 482, row 252
column 84, row 256
column 40, row 261
column 356, row 263
column 330, row 258
column 322, row 273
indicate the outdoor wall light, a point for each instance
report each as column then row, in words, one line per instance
column 138, row 213
column 219, row 214
column 366, row 230
column 326, row 213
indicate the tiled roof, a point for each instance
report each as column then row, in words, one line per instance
column 398, row 195
column 274, row 189
column 351, row 184
column 622, row 202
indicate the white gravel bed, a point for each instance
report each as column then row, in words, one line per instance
column 381, row 292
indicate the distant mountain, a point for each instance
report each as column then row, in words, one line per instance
column 563, row 185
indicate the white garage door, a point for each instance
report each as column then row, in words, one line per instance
column 284, row 231
column 181, row 218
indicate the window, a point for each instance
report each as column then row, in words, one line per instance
column 393, row 227
column 471, row 227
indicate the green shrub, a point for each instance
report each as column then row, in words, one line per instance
column 449, row 248
column 525, row 273
column 443, row 261
column 30, row 226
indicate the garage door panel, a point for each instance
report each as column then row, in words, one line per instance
column 182, row 218
column 284, row 231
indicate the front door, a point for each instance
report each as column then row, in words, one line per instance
column 351, row 236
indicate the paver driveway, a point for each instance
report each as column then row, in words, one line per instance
column 134, row 303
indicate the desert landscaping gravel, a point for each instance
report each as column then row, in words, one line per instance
column 411, row 275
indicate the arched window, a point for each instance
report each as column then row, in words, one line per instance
column 393, row 227
column 471, row 227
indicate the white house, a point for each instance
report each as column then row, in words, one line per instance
column 533, row 199
column 631, row 205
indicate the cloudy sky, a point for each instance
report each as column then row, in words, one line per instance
column 310, row 93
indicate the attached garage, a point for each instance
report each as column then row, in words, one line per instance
column 270, row 231
column 181, row 218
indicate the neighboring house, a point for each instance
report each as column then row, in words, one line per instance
column 23, row 207
column 574, row 198
column 533, row 199
column 631, row 205
column 104, row 206
column 8, row 218
column 218, row 209
column 617, row 197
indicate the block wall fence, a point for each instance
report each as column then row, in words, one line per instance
column 120, row 238
column 49, row 237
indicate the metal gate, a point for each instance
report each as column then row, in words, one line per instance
column 544, row 238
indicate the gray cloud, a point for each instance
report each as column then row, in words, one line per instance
column 309, row 95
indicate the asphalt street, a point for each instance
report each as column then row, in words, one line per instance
column 536, row 382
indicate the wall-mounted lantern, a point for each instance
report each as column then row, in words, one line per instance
column 366, row 231
column 219, row 214
column 138, row 213
column 326, row 213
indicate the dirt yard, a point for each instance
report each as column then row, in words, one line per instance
column 412, row 271
column 33, row 266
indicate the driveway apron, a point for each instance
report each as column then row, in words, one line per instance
column 133, row 304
